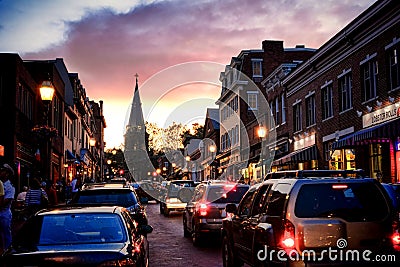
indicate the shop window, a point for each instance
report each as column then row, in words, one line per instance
column 336, row 160
column 376, row 160
column 350, row 157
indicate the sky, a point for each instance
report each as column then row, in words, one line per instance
column 177, row 47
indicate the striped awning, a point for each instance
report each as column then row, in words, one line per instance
column 301, row 155
column 378, row 133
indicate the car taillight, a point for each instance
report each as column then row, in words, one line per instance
column 202, row 209
column 396, row 234
column 288, row 236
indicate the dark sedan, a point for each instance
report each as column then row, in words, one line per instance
column 95, row 236
column 114, row 195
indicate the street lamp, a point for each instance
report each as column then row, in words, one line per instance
column 92, row 143
column 46, row 94
column 262, row 133
column 212, row 149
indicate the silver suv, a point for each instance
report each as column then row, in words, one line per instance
column 308, row 219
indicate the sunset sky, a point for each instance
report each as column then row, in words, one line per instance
column 166, row 42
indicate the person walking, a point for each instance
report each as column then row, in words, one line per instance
column 36, row 198
column 6, row 174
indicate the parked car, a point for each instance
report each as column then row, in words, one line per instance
column 95, row 236
column 206, row 209
column 170, row 201
column 104, row 195
column 290, row 216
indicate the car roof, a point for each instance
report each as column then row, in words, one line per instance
column 115, row 188
column 298, row 174
column 83, row 209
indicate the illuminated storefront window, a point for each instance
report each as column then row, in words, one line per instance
column 343, row 159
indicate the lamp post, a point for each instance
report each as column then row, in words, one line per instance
column 212, row 149
column 92, row 143
column 262, row 133
column 46, row 94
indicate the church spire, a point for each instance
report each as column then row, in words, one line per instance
column 136, row 86
column 136, row 115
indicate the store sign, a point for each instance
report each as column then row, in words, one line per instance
column 381, row 115
column 397, row 146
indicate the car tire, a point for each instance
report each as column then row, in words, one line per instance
column 161, row 208
column 228, row 257
column 186, row 232
column 196, row 236
column 166, row 211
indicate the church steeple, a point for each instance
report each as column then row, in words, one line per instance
column 136, row 115
column 135, row 153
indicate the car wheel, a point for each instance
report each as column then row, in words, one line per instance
column 196, row 238
column 161, row 208
column 186, row 232
column 228, row 258
column 166, row 212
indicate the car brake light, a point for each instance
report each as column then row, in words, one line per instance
column 396, row 235
column 202, row 209
column 288, row 236
column 339, row 186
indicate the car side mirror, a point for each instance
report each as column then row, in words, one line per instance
column 145, row 229
column 231, row 208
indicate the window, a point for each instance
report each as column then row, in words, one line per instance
column 252, row 100
column 345, row 92
column 369, row 73
column 277, row 200
column 392, row 58
column 277, row 108
column 257, row 67
column 310, row 116
column 283, row 108
column 297, row 117
column 327, row 101
column 25, row 101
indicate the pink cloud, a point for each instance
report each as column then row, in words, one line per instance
column 108, row 49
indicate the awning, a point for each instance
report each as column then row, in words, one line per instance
column 375, row 134
column 84, row 156
column 70, row 156
column 301, row 155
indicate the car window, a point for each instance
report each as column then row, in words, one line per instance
column 174, row 188
column 260, row 199
column 245, row 204
column 124, row 198
column 276, row 200
column 81, row 228
column 222, row 194
column 352, row 201
column 198, row 193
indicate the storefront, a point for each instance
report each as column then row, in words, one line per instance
column 374, row 149
column 302, row 159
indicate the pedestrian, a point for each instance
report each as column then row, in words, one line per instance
column 36, row 197
column 22, row 195
column 6, row 174
column 75, row 185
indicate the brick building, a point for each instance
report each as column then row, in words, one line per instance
column 243, row 107
column 343, row 103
